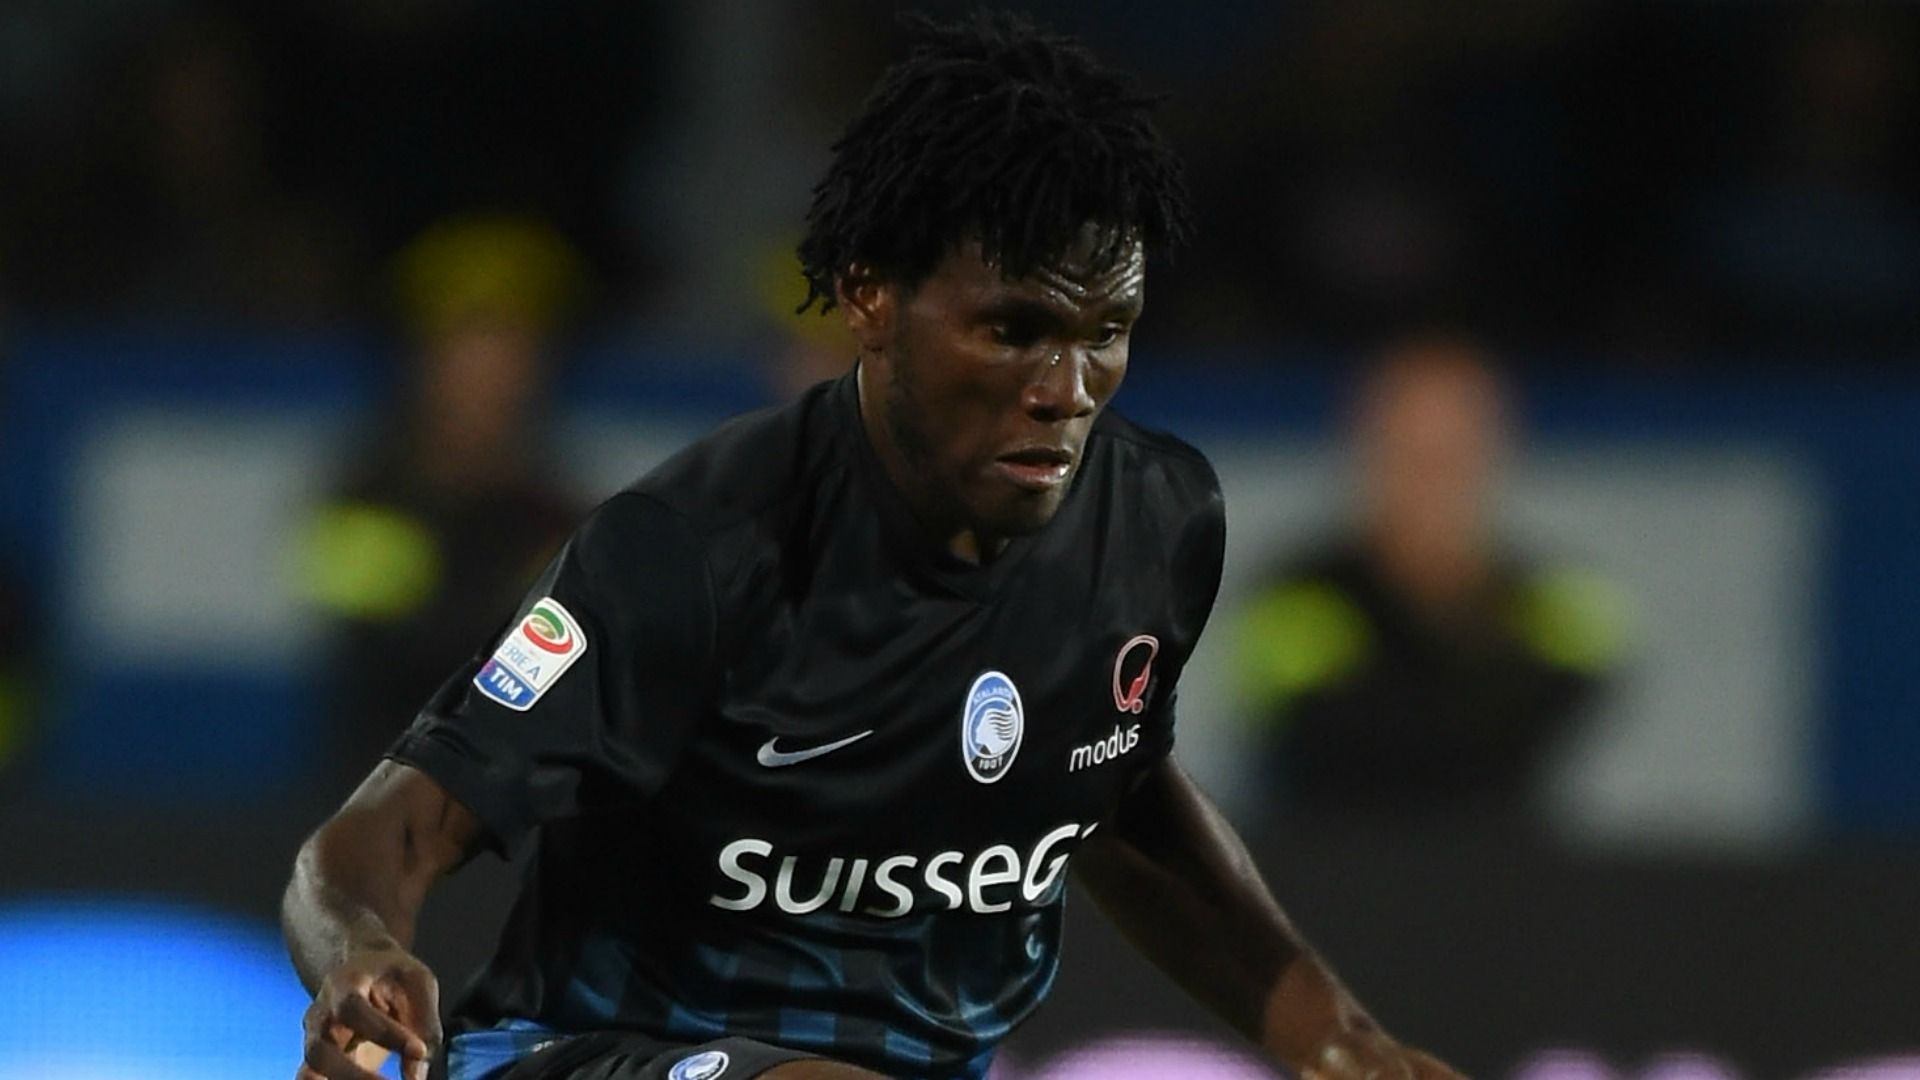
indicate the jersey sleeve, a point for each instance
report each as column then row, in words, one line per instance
column 1199, row 555
column 585, row 699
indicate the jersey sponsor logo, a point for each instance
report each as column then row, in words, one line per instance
column 1132, row 672
column 704, row 1065
column 986, row 882
column 991, row 724
column 1101, row 751
column 532, row 656
column 774, row 759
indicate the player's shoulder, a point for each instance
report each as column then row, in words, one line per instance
column 749, row 467
column 1162, row 464
column 1177, row 515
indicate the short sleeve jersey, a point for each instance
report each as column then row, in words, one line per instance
column 800, row 776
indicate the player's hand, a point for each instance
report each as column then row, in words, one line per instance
column 1370, row 1055
column 381, row 997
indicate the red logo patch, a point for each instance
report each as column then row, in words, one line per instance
column 1130, row 690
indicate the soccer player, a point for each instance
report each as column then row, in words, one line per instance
column 811, row 721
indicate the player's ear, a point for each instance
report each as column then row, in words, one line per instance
column 869, row 302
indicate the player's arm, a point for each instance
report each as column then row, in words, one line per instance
column 550, row 728
column 349, row 916
column 1173, row 875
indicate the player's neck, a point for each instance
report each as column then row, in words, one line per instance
column 971, row 547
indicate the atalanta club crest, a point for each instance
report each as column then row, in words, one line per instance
column 532, row 656
column 991, row 724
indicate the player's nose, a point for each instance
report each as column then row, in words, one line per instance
column 1058, row 391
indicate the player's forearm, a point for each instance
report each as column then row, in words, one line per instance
column 333, row 907
column 1217, row 951
column 1177, row 880
column 360, row 880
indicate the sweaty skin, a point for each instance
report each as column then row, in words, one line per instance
column 1075, row 285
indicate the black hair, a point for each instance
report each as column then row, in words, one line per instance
column 994, row 130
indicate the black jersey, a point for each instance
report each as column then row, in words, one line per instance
column 799, row 775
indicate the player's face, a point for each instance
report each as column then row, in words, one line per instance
column 991, row 386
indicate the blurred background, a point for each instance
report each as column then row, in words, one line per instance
column 1556, row 356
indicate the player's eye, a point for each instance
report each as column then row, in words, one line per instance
column 1109, row 334
column 1015, row 333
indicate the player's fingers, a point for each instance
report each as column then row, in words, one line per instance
column 424, row 991
column 1367, row 1057
column 369, row 1056
column 376, row 1027
column 419, row 1002
column 328, row 1062
column 1340, row 1063
column 1368, row 1060
column 1421, row 1066
column 323, row 1022
column 313, row 1022
column 1428, row 1067
column 413, row 994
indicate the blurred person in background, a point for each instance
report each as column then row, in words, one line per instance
column 446, row 515
column 1813, row 241
column 154, row 191
column 1415, row 662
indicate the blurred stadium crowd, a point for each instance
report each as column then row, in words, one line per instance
column 1656, row 181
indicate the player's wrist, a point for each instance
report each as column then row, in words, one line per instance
column 1310, row 1019
column 367, row 933
column 368, row 953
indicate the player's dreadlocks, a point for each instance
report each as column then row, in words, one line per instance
column 992, row 130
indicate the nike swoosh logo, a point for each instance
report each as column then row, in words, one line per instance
column 774, row 759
